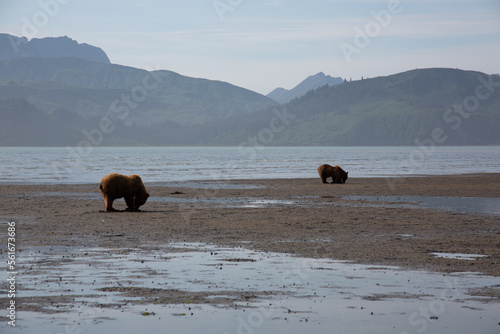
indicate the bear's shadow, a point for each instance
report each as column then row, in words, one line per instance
column 131, row 210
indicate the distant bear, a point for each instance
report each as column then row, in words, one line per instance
column 130, row 187
column 337, row 174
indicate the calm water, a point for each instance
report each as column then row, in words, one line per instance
column 170, row 164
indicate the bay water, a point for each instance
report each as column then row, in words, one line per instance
column 48, row 165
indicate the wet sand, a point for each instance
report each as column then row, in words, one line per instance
column 62, row 229
column 297, row 216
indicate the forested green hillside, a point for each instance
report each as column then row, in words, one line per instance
column 57, row 104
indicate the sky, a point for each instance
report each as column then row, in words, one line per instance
column 264, row 44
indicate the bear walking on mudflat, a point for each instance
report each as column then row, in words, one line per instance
column 130, row 187
column 337, row 174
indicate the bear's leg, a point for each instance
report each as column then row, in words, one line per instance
column 129, row 200
column 323, row 178
column 109, row 204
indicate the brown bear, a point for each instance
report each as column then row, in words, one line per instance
column 130, row 187
column 337, row 174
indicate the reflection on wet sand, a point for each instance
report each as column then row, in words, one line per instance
column 190, row 284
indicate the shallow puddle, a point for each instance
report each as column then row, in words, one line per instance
column 78, row 195
column 459, row 256
column 192, row 288
column 453, row 204
column 207, row 185
column 262, row 203
column 242, row 202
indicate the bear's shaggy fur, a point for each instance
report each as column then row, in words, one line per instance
column 337, row 174
column 130, row 187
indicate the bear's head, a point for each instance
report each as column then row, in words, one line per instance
column 140, row 199
column 344, row 176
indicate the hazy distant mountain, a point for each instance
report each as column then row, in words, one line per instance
column 436, row 106
column 282, row 95
column 21, row 124
column 91, row 89
column 63, row 101
column 12, row 47
column 398, row 110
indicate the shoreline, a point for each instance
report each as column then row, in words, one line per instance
column 207, row 181
column 302, row 217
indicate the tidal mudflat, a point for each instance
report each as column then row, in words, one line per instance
column 259, row 256
column 188, row 286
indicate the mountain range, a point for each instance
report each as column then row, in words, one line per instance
column 58, row 100
column 12, row 47
column 90, row 89
column 283, row 96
